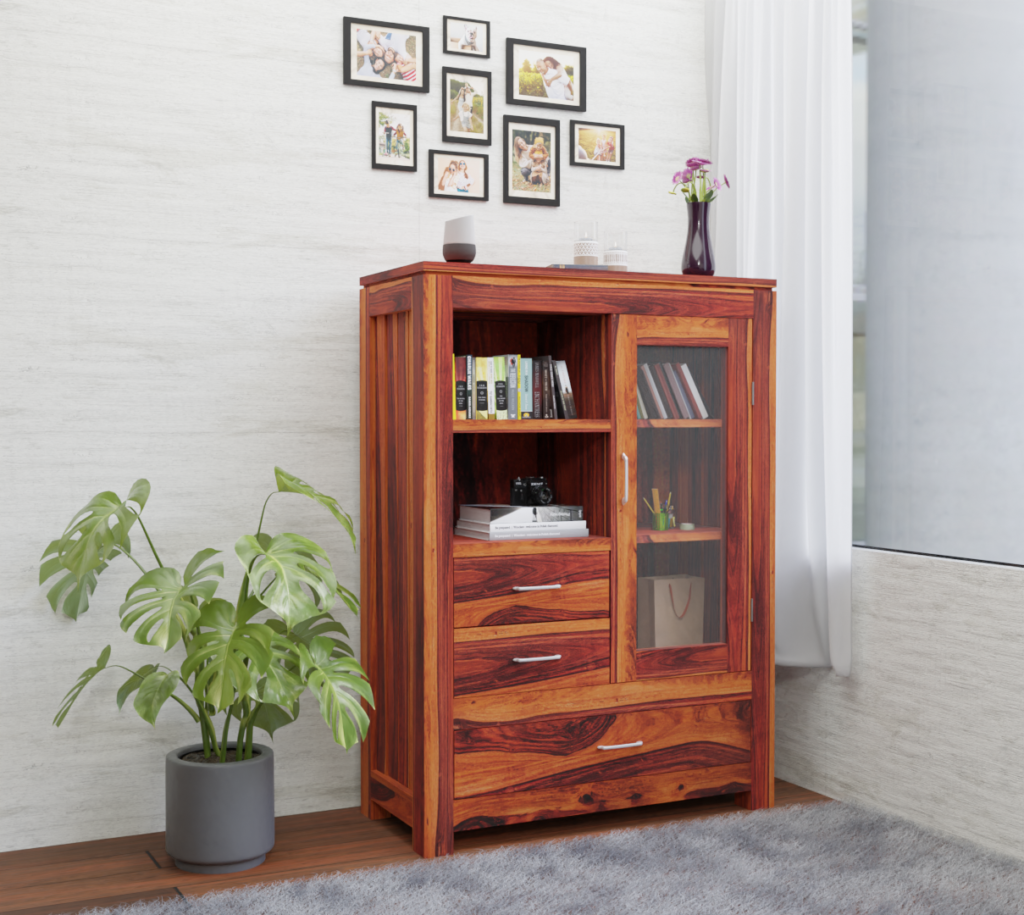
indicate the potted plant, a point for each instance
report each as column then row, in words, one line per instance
column 248, row 661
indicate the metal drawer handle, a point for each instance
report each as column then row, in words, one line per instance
column 549, row 657
column 623, row 746
column 536, row 587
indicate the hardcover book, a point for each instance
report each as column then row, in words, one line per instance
column 491, row 408
column 500, row 388
column 661, row 379
column 488, row 512
column 496, row 526
column 525, row 387
column 677, row 392
column 565, row 390
column 512, row 378
column 461, row 395
column 480, row 411
column 691, row 390
column 470, row 388
column 649, row 387
column 521, row 535
column 538, row 387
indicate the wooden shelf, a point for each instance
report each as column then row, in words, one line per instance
column 533, row 425
column 468, row 546
column 679, row 424
column 648, row 535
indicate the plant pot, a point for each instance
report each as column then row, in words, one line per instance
column 697, row 257
column 220, row 816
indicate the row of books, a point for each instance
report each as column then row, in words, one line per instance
column 521, row 522
column 666, row 390
column 511, row 387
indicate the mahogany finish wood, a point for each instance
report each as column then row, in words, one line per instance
column 440, row 621
column 113, row 872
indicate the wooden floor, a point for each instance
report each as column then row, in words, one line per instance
column 67, row 878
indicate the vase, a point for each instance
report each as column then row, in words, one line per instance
column 697, row 256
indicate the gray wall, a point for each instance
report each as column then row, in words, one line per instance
column 930, row 724
column 945, row 302
column 186, row 206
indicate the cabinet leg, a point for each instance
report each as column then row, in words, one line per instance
column 373, row 811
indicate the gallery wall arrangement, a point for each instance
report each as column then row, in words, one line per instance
column 393, row 56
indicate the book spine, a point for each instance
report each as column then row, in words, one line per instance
column 461, row 394
column 500, row 388
column 568, row 400
column 481, row 387
column 641, row 409
column 538, row 387
column 525, row 387
column 522, row 535
column 470, row 388
column 665, row 391
column 498, row 526
column 691, row 389
column 677, row 391
column 649, row 383
column 512, row 374
column 549, row 391
column 676, row 377
column 556, row 390
column 489, row 372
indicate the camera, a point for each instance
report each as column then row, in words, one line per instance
column 531, row 491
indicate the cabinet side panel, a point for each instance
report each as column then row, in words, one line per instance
column 624, row 616
column 737, row 508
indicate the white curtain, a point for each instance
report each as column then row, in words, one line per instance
column 779, row 93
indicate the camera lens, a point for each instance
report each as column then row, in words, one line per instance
column 544, row 495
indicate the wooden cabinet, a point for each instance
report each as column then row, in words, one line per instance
column 521, row 680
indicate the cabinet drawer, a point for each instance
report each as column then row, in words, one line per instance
column 529, row 662
column 485, row 595
column 551, row 754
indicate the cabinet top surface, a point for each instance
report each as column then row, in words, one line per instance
column 603, row 277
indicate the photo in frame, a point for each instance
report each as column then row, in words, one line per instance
column 531, row 172
column 597, row 145
column 394, row 136
column 461, row 175
column 386, row 55
column 465, row 106
column 545, row 75
column 467, row 36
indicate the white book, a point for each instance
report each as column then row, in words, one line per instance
column 521, row 535
column 520, row 513
column 491, row 414
column 640, row 407
column 691, row 389
column 649, row 375
column 525, row 387
column 495, row 526
column 677, row 391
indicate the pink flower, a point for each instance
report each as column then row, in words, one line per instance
column 678, row 178
column 718, row 187
column 697, row 163
column 725, row 178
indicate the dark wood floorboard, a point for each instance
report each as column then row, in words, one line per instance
column 68, row 878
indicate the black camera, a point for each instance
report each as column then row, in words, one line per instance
column 531, row 491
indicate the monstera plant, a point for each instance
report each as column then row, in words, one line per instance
column 250, row 660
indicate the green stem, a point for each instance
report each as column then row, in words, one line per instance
column 243, row 716
column 224, row 737
column 209, row 732
column 156, row 556
column 133, row 559
column 262, row 513
column 248, row 732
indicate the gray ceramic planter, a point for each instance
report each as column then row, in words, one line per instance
column 220, row 816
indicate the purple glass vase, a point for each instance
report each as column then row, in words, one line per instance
column 697, row 256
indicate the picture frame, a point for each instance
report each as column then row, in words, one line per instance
column 394, row 144
column 593, row 145
column 465, row 106
column 541, row 84
column 385, row 55
column 531, row 173
column 447, row 179
column 462, row 34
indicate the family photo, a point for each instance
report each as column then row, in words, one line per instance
column 531, row 161
column 599, row 145
column 545, row 75
column 394, row 136
column 459, row 175
column 466, row 115
column 387, row 55
column 467, row 36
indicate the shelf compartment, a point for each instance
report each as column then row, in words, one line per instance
column 466, row 547
column 679, row 424
column 532, row 425
column 649, row 535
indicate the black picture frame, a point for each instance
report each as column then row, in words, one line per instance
column 446, row 135
column 512, row 96
column 620, row 147
column 511, row 123
column 422, row 63
column 476, row 54
column 432, row 185
column 374, row 123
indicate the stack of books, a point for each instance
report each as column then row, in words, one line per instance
column 521, row 522
column 511, row 387
column 666, row 390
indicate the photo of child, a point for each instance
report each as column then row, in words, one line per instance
column 386, row 55
column 546, row 75
column 460, row 175
column 531, row 161
column 466, row 116
column 598, row 145
column 394, row 136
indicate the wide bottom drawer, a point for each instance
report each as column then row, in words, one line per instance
column 603, row 746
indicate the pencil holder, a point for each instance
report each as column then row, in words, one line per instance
column 659, row 521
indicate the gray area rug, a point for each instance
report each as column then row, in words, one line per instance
column 821, row 858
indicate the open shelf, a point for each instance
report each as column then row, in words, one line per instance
column 533, row 425
column 468, row 546
column 649, row 535
column 679, row 424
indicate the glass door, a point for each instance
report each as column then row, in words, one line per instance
column 683, row 524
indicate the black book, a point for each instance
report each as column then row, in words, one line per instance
column 645, row 392
column 567, row 403
column 547, row 396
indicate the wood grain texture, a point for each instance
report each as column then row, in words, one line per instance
column 484, row 596
column 486, row 633
column 670, row 662
column 737, row 508
column 467, row 547
column 482, row 667
column 647, row 535
column 484, row 811
column 482, row 426
column 396, row 799
column 552, row 753
column 626, row 498
column 679, row 424
column 390, row 298
column 648, row 326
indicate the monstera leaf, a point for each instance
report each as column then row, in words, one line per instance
column 230, row 658
column 167, row 603
column 282, row 684
column 330, row 678
column 154, row 691
column 81, row 683
column 287, row 482
column 69, row 594
column 279, row 569
column 270, row 718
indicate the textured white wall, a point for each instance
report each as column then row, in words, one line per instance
column 186, row 205
column 930, row 724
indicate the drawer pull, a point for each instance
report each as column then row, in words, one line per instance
column 548, row 657
column 536, row 587
column 622, row 746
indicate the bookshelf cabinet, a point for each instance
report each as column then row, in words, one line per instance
column 657, row 682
